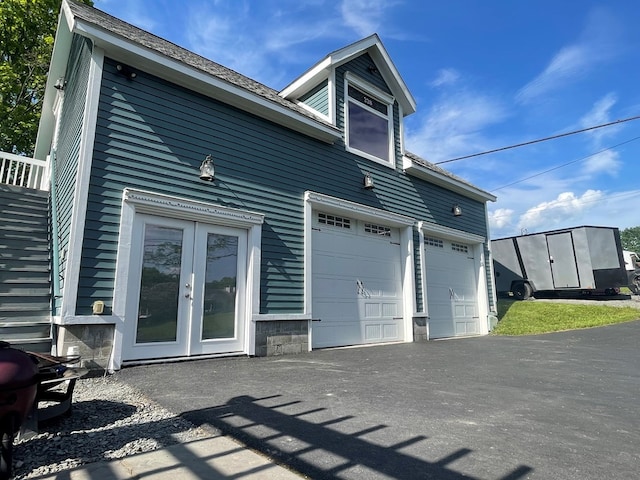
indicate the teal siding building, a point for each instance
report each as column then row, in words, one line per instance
column 200, row 213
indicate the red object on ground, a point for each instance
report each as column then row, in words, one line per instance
column 18, row 390
column 18, row 385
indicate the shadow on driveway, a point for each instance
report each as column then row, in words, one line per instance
column 321, row 452
column 561, row 405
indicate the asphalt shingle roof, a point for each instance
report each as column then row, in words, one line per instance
column 148, row 40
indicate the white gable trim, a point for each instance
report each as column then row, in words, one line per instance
column 371, row 45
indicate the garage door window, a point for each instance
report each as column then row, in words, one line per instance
column 379, row 230
column 334, row 220
column 459, row 247
column 434, row 242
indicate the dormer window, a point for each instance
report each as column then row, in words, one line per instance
column 369, row 122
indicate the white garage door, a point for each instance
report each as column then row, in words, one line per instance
column 451, row 289
column 357, row 286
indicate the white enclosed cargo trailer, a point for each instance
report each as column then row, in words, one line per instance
column 632, row 266
column 578, row 261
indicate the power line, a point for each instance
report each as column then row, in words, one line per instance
column 565, row 164
column 531, row 142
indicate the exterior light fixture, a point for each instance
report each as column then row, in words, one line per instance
column 456, row 210
column 126, row 71
column 60, row 84
column 207, row 171
column 368, row 181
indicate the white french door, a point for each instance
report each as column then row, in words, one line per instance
column 218, row 309
column 189, row 281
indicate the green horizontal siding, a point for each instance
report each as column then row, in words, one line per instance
column 318, row 98
column 66, row 169
column 153, row 135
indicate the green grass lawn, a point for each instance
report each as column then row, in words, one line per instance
column 534, row 317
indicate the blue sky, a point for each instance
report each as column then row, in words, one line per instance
column 485, row 74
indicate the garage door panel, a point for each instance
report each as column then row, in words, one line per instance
column 332, row 310
column 334, row 288
column 451, row 290
column 380, row 309
column 348, row 333
column 356, row 288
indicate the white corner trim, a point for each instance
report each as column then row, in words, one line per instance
column 331, row 84
column 423, row 270
column 81, row 194
column 359, row 210
column 156, row 203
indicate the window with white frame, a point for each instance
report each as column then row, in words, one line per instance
column 369, row 123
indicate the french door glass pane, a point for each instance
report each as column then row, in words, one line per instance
column 219, row 319
column 160, row 284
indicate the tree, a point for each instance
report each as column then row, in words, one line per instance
column 630, row 238
column 27, row 31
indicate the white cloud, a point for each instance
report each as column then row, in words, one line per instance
column 606, row 161
column 453, row 126
column 599, row 115
column 560, row 211
column 500, row 218
column 566, row 65
column 595, row 47
column 365, row 16
column 445, row 77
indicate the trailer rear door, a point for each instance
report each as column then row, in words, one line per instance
column 562, row 258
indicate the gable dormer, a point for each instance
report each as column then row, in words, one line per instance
column 358, row 90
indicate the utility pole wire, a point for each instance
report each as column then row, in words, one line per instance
column 531, row 142
column 565, row 164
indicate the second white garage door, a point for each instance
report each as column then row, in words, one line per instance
column 452, row 294
column 356, row 282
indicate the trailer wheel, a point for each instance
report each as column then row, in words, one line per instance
column 635, row 286
column 522, row 291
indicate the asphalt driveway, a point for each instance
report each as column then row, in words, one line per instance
column 556, row 406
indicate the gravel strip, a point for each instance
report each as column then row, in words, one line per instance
column 109, row 420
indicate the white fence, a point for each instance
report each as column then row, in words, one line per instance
column 23, row 171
